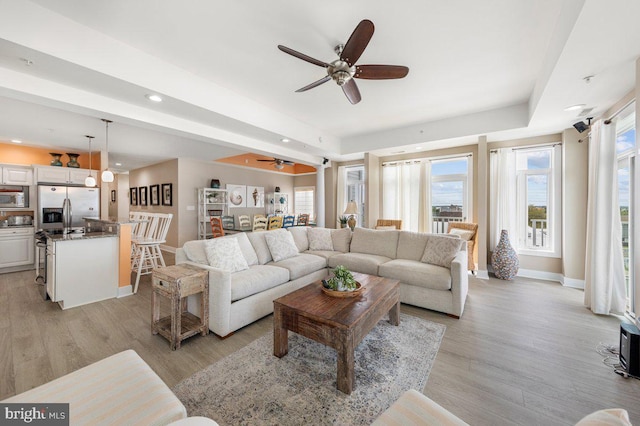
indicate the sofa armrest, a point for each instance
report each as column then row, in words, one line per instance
column 219, row 298
column 414, row 408
column 459, row 281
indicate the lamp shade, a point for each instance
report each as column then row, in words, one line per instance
column 107, row 176
column 352, row 208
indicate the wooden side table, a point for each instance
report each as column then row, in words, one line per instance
column 176, row 283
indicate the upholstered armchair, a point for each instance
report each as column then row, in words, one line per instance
column 468, row 232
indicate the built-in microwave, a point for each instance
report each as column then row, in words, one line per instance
column 11, row 198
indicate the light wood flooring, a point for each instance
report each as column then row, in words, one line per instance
column 524, row 352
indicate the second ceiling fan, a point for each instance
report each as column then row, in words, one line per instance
column 343, row 70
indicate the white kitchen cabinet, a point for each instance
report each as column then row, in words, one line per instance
column 17, row 247
column 16, row 175
column 64, row 175
column 82, row 270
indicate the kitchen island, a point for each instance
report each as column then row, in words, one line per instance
column 82, row 268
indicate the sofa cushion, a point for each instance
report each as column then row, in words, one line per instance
column 462, row 233
column 370, row 241
column 320, row 239
column 260, row 246
column 341, row 239
column 245, row 247
column 195, row 251
column 281, row 244
column 606, row 417
column 417, row 273
column 411, row 245
column 441, row 250
column 299, row 234
column 358, row 262
column 326, row 254
column 302, row 264
column 256, row 279
column 225, row 254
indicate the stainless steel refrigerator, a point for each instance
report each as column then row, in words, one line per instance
column 83, row 202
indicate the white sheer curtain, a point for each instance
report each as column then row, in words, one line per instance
column 604, row 290
column 401, row 194
column 502, row 178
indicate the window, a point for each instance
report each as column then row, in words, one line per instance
column 538, row 200
column 355, row 191
column 303, row 200
column 625, row 148
column 449, row 192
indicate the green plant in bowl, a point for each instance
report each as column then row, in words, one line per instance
column 342, row 279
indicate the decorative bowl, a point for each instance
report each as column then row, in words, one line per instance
column 338, row 293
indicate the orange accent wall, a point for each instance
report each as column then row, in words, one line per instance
column 26, row 155
column 251, row 160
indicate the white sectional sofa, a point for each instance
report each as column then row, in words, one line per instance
column 271, row 264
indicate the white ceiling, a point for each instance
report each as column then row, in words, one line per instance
column 501, row 68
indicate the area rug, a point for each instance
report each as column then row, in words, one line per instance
column 253, row 387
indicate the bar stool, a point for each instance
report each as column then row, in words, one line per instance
column 148, row 254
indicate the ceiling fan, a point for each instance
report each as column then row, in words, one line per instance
column 343, row 70
column 278, row 163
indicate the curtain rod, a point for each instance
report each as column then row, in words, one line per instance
column 618, row 112
column 518, row 148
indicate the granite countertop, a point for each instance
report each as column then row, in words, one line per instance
column 79, row 236
column 111, row 220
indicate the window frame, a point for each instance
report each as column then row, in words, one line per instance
column 304, row 188
column 554, row 200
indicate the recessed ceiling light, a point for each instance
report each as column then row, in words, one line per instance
column 16, row 141
column 418, row 147
column 118, row 164
column 574, row 107
column 154, row 98
column 285, row 140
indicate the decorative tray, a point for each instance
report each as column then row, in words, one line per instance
column 336, row 293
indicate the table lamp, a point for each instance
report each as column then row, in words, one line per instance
column 352, row 210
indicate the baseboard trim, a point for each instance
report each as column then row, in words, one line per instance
column 540, row 275
column 483, row 274
column 125, row 291
column 573, row 283
column 168, row 249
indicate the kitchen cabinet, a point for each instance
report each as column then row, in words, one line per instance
column 17, row 247
column 64, row 175
column 82, row 269
column 211, row 202
column 16, row 175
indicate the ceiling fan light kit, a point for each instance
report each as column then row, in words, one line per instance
column 343, row 70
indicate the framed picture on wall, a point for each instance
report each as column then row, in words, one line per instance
column 237, row 195
column 113, row 195
column 143, row 196
column 167, row 194
column 155, row 195
column 133, row 196
column 255, row 196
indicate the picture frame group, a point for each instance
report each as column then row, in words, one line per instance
column 153, row 195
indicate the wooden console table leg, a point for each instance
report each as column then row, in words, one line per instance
column 280, row 334
column 394, row 314
column 176, row 321
column 155, row 312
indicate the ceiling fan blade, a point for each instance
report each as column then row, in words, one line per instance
column 314, row 84
column 358, row 41
column 268, row 161
column 302, row 56
column 350, row 89
column 381, row 72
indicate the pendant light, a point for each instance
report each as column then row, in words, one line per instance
column 90, row 181
column 107, row 175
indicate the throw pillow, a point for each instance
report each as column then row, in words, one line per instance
column 462, row 233
column 441, row 250
column 225, row 254
column 245, row 247
column 320, row 239
column 341, row 239
column 281, row 244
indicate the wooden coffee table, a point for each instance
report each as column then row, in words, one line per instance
column 340, row 323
